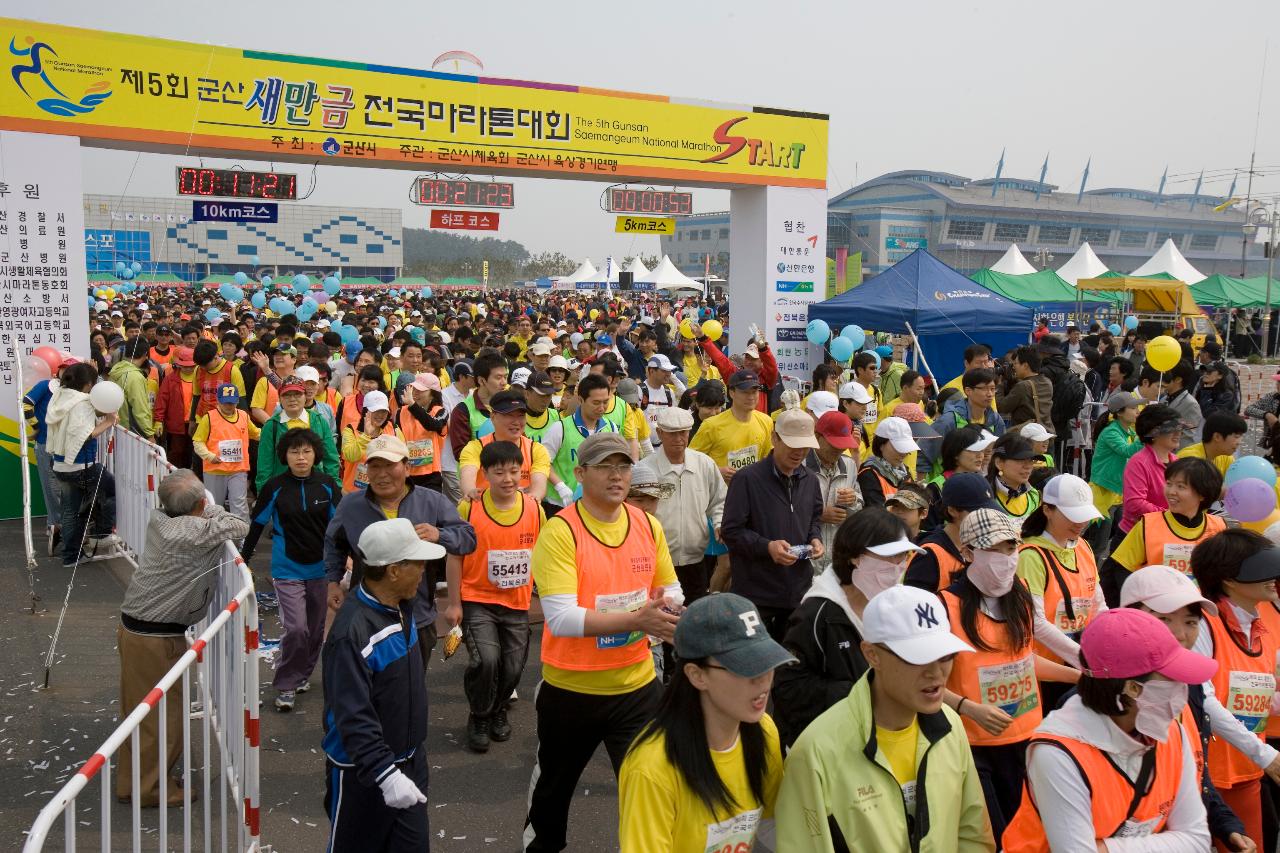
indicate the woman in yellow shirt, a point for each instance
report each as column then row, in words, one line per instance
column 704, row 775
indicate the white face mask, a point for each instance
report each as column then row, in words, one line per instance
column 873, row 575
column 1158, row 705
column 993, row 573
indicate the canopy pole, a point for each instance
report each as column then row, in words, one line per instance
column 915, row 340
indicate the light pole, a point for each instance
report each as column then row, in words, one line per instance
column 1250, row 228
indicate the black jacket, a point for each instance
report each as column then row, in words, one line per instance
column 375, row 697
column 1222, row 820
column 923, row 571
column 299, row 512
column 762, row 505
column 828, row 649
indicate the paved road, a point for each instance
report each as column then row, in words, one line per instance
column 477, row 801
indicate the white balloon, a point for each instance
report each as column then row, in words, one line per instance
column 107, row 397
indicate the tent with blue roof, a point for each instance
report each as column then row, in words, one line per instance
column 947, row 311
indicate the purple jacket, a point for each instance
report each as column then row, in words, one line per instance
column 1143, row 486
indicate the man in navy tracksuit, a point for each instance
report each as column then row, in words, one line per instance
column 375, row 700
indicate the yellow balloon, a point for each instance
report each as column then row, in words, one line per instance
column 1261, row 526
column 686, row 329
column 330, row 308
column 712, row 329
column 1163, row 353
column 593, row 313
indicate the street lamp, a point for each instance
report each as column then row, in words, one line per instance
column 1258, row 219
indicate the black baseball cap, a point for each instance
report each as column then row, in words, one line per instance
column 744, row 379
column 968, row 491
column 728, row 627
column 1262, row 566
column 163, row 330
column 540, row 383
column 613, row 368
column 1015, row 447
column 463, row 368
column 508, row 402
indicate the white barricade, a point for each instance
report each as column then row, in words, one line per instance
column 221, row 663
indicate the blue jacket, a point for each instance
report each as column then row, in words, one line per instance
column 299, row 512
column 955, row 414
column 375, row 697
column 35, row 404
column 420, row 506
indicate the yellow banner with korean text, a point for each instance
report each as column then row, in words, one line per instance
column 129, row 91
column 645, row 225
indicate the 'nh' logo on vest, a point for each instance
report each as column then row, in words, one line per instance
column 925, row 617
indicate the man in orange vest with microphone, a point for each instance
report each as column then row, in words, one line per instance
column 222, row 440
column 606, row 583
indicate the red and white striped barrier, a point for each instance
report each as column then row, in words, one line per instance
column 221, row 663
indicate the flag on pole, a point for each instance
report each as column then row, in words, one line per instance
column 999, row 170
column 1160, row 191
column 1044, row 170
column 1084, row 179
column 1195, row 196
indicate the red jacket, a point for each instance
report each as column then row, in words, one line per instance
column 169, row 409
column 768, row 370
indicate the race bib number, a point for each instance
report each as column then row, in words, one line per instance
column 1138, row 828
column 362, row 475
column 743, row 456
column 621, row 602
column 1083, row 608
column 509, row 569
column 1010, row 686
column 1249, row 698
column 1178, row 555
column 421, row 452
column 231, row 450
column 735, row 835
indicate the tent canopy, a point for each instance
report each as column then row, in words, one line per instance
column 636, row 268
column 947, row 311
column 1149, row 295
column 1046, row 293
column 665, row 274
column 1169, row 260
column 1222, row 291
column 1083, row 264
column 586, row 270
column 1013, row 263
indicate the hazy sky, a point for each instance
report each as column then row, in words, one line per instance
column 927, row 85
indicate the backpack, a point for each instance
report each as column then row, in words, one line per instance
column 1069, row 396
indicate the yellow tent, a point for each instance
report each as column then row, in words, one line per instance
column 1148, row 296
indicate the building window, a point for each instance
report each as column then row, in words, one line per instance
column 966, row 229
column 1161, row 236
column 1132, row 239
column 1095, row 236
column 895, row 255
column 863, row 231
column 1204, row 242
column 706, row 233
column 724, row 233
column 215, row 234
column 723, row 257
column 245, row 249
column 915, row 231
column 1055, row 235
column 1012, row 232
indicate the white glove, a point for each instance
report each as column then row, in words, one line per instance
column 565, row 493
column 399, row 792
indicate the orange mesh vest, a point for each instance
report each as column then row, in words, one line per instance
column 526, row 462
column 1006, row 679
column 1068, row 595
column 948, row 565
column 497, row 571
column 229, row 441
column 1270, row 616
column 208, row 383
column 1244, row 684
column 610, row 580
column 355, row 475
column 1166, row 548
column 1118, row 810
column 424, row 446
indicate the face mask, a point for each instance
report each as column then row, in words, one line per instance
column 993, row 573
column 1158, row 705
column 872, row 575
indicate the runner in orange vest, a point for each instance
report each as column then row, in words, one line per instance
column 996, row 689
column 375, row 420
column 1174, row 599
column 422, row 425
column 173, row 406
column 222, row 440
column 886, row 467
column 1237, row 570
column 212, row 370
column 490, row 589
column 507, row 412
column 1114, row 762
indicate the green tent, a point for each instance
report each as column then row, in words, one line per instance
column 1045, row 291
column 103, row 276
column 461, row 282
column 158, row 278
column 354, row 280
column 1160, row 276
column 409, row 281
column 1223, row 291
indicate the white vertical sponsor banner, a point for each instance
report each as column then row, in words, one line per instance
column 774, row 279
column 42, row 271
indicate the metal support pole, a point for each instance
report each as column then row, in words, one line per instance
column 1271, row 260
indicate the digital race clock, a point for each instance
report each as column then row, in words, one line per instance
column 236, row 183
column 441, row 192
column 624, row 200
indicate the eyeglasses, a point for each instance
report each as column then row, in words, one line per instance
column 615, row 470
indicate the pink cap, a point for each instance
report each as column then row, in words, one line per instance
column 1128, row 643
column 426, row 382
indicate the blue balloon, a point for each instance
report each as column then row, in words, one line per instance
column 242, row 278
column 876, row 356
column 349, row 334
column 254, row 260
column 266, row 281
column 425, row 293
column 301, row 284
column 382, row 322
column 258, row 299
column 1114, row 328
column 1131, row 322
column 92, row 300
column 841, row 349
column 393, row 293
column 213, row 315
column 853, row 334
column 136, row 267
column 818, row 332
column 332, row 286
column 120, row 266
column 1251, row 468
column 127, row 274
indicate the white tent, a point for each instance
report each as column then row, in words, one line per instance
column 586, row 270
column 637, row 268
column 1013, row 263
column 1083, row 264
column 1170, row 260
column 666, row 276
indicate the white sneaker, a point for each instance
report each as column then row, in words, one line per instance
column 514, row 696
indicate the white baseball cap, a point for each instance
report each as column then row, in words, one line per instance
column 558, row 362
column 520, row 377
column 795, row 429
column 984, row 440
column 821, row 402
column 394, row 540
column 901, row 545
column 540, row 348
column 575, row 339
column 855, row 392
column 1036, row 432
column 376, row 401
column 1072, row 497
column 660, row 362
column 307, row 373
column 913, row 624
column 1163, row 589
column 898, row 433
column 394, row 352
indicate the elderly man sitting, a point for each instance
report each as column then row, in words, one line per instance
column 169, row 591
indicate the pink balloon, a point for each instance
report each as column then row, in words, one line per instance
column 51, row 357
column 35, row 369
column 1249, row 500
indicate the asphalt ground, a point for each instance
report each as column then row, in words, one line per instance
column 477, row 802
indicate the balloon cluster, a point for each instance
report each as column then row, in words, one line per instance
column 843, row 346
column 1251, row 492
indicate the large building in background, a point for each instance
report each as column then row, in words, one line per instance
column 968, row 226
column 159, row 233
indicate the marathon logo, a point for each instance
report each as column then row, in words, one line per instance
column 760, row 152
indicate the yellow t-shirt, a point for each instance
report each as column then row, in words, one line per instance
column 505, row 517
column 470, row 457
column 201, row 434
column 1196, row 451
column 259, row 399
column 693, row 374
column 659, row 813
column 1031, row 568
column 1132, row 552
column 732, row 443
column 636, row 425
column 899, row 748
column 555, row 571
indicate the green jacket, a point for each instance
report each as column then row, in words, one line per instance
column 135, row 414
column 1111, row 453
column 269, row 465
column 838, row 785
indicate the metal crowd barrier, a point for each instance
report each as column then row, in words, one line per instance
column 220, row 724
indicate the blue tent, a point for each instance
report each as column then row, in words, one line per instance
column 947, row 311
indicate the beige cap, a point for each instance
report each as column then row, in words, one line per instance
column 795, row 429
column 386, row 447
